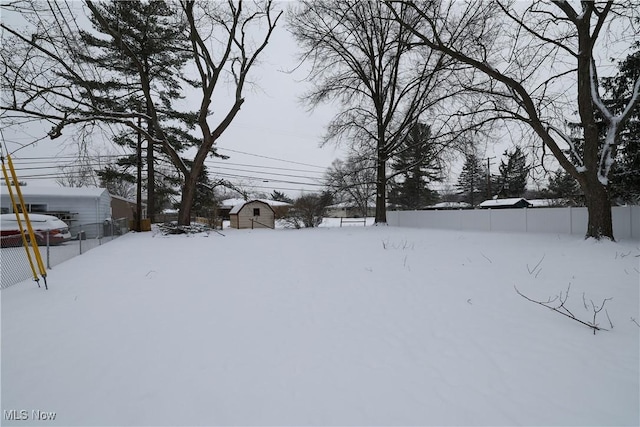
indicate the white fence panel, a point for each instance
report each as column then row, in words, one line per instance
column 626, row 220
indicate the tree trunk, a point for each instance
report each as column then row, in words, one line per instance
column 151, row 181
column 186, row 202
column 138, row 218
column 381, row 190
column 600, row 224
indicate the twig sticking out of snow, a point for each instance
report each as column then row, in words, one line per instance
column 622, row 255
column 402, row 245
column 533, row 270
column 563, row 310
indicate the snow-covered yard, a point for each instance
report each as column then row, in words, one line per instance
column 328, row 326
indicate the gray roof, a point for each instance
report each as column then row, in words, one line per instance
column 238, row 207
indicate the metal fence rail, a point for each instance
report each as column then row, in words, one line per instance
column 14, row 264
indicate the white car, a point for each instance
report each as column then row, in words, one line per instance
column 42, row 225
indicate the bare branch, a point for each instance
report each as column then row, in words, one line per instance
column 562, row 309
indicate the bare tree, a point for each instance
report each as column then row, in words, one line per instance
column 353, row 181
column 367, row 64
column 537, row 64
column 43, row 80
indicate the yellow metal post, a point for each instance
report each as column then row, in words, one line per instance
column 22, row 233
column 32, row 236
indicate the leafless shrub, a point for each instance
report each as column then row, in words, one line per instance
column 557, row 304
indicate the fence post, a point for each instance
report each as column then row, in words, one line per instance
column 48, row 251
column 570, row 220
column 80, row 233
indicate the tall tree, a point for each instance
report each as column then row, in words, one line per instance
column 224, row 39
column 368, row 65
column 523, row 57
column 514, row 172
column 471, row 183
column 160, row 43
column 417, row 163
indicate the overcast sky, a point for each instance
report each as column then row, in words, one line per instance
column 273, row 143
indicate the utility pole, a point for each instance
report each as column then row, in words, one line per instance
column 488, row 159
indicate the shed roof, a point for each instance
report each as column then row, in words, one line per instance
column 231, row 203
column 238, row 207
column 503, row 202
column 84, row 192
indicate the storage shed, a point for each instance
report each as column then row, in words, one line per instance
column 85, row 208
column 252, row 214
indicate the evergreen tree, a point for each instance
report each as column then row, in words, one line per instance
column 472, row 182
column 564, row 186
column 150, row 30
column 513, row 174
column 281, row 197
column 625, row 173
column 417, row 162
column 204, row 202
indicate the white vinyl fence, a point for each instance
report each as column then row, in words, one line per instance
column 626, row 220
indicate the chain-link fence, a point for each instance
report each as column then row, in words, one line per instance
column 14, row 263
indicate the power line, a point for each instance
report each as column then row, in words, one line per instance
column 267, row 174
column 271, row 158
column 73, row 159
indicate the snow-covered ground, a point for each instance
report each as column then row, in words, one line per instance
column 328, row 326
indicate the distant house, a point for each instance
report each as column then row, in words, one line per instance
column 252, row 214
column 347, row 210
column 86, row 208
column 449, row 206
column 548, row 203
column 505, row 203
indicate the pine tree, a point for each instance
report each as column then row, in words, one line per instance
column 150, row 30
column 472, row 182
column 417, row 163
column 281, row 197
column 513, row 174
column 564, row 186
column 625, row 173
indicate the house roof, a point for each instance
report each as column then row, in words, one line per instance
column 348, row 205
column 113, row 196
column 84, row 192
column 546, row 203
column 238, row 207
column 503, row 202
column 450, row 205
column 230, row 203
